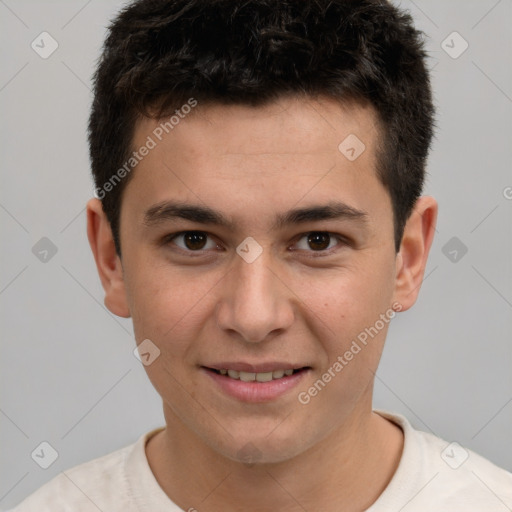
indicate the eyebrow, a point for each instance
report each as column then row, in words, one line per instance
column 170, row 210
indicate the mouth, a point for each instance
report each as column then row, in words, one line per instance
column 256, row 384
column 257, row 376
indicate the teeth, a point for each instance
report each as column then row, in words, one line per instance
column 264, row 377
column 259, row 377
column 247, row 377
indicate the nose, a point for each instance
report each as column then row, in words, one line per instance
column 255, row 302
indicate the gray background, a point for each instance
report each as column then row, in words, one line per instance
column 68, row 374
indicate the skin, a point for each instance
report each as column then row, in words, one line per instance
column 250, row 164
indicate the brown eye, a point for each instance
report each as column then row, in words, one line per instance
column 192, row 241
column 319, row 241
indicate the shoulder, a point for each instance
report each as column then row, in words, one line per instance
column 435, row 474
column 465, row 474
column 95, row 485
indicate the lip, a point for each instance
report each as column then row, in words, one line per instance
column 255, row 368
column 255, row 392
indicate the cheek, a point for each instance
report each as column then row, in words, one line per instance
column 350, row 296
column 170, row 306
column 158, row 298
column 166, row 309
column 349, row 304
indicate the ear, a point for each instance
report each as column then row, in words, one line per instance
column 108, row 261
column 411, row 260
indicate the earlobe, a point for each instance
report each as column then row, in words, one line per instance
column 107, row 260
column 411, row 260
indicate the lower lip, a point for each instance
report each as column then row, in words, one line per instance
column 256, row 391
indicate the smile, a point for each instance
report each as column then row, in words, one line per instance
column 256, row 386
column 257, row 377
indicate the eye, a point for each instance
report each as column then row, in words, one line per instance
column 319, row 241
column 193, row 241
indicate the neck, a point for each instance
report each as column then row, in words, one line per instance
column 351, row 466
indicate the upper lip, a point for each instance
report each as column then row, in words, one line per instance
column 255, row 368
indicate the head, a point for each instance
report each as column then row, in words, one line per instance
column 299, row 129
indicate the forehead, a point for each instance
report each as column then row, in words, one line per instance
column 292, row 151
column 291, row 125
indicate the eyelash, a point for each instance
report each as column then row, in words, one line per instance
column 315, row 254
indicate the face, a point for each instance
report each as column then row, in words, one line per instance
column 252, row 243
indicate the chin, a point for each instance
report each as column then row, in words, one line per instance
column 262, row 449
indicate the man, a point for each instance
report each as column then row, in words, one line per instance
column 259, row 168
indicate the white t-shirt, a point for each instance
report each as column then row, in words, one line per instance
column 433, row 476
